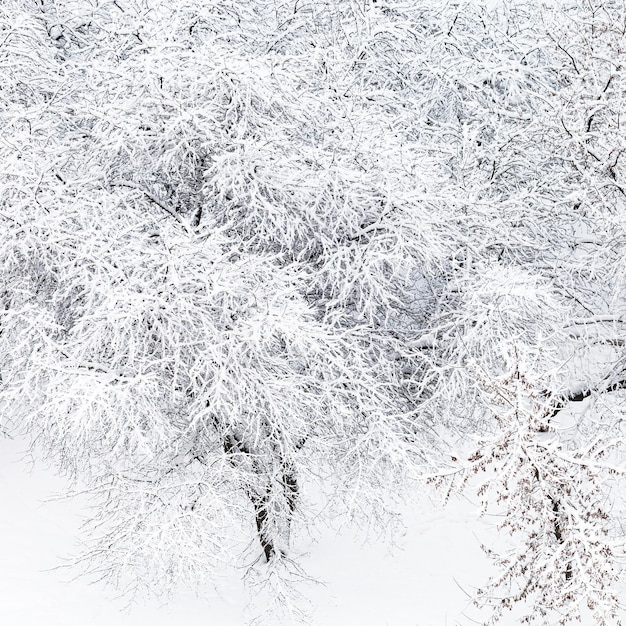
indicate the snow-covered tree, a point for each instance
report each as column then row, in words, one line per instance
column 194, row 304
column 250, row 247
column 533, row 325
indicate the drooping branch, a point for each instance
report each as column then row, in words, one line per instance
column 607, row 385
column 610, row 383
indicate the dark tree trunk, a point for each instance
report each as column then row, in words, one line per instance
column 287, row 488
column 261, row 513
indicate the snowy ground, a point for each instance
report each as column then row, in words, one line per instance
column 419, row 583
